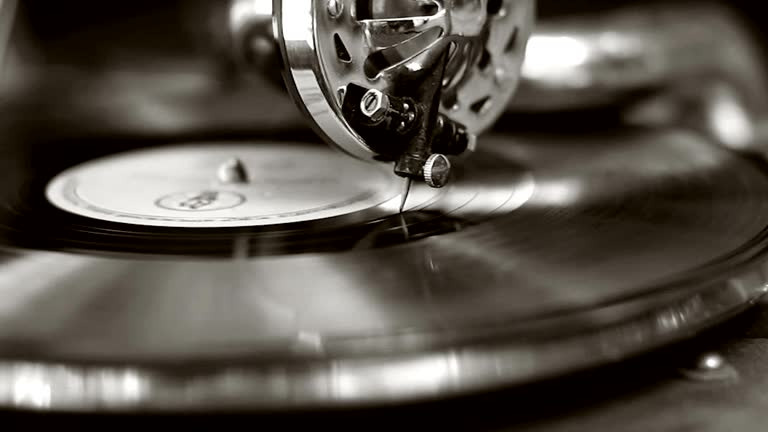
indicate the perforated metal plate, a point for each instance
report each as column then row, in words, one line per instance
column 376, row 43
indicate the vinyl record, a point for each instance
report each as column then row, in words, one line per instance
column 297, row 198
column 208, row 276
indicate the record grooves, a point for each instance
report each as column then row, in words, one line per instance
column 537, row 261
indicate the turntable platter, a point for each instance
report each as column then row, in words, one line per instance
column 596, row 251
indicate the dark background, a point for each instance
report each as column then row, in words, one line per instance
column 57, row 20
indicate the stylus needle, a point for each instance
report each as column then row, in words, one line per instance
column 406, row 190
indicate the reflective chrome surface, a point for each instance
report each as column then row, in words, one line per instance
column 398, row 41
column 639, row 240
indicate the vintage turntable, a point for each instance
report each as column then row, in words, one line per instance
column 169, row 247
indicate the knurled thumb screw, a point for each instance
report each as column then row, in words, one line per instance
column 437, row 170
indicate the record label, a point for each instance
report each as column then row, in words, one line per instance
column 224, row 185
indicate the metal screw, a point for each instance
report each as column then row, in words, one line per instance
column 407, row 117
column 437, row 170
column 335, row 7
column 374, row 105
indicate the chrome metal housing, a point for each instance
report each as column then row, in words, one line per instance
column 325, row 48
